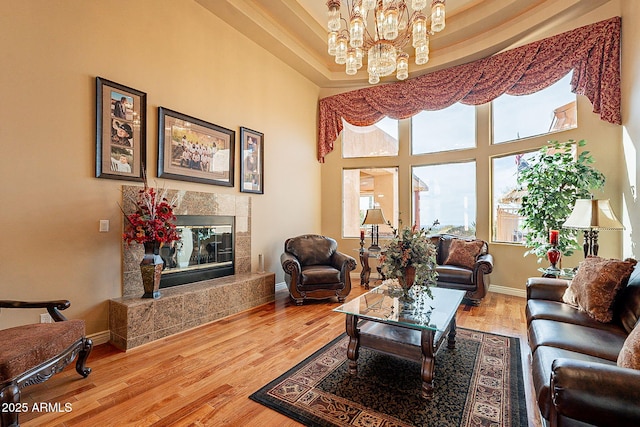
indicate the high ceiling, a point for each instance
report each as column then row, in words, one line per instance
column 295, row 31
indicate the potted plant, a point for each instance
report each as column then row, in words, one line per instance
column 553, row 180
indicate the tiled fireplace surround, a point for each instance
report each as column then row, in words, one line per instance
column 134, row 321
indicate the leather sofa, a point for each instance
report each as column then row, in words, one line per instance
column 472, row 279
column 314, row 269
column 576, row 379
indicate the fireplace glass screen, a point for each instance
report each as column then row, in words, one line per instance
column 205, row 250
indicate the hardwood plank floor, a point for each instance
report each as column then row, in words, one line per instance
column 204, row 376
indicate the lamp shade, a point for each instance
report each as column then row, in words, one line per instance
column 589, row 214
column 374, row 216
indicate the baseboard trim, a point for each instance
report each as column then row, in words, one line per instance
column 506, row 290
column 100, row 337
column 281, row 286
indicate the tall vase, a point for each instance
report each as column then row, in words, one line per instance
column 151, row 269
column 406, row 282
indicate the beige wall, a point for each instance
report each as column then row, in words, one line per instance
column 185, row 59
column 511, row 268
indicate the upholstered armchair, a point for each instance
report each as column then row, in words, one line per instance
column 314, row 269
column 463, row 264
column 31, row 354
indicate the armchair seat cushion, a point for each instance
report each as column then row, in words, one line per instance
column 31, row 345
column 320, row 275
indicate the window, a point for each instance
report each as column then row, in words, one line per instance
column 363, row 189
column 507, row 197
column 377, row 140
column 453, row 128
column 550, row 110
column 446, row 192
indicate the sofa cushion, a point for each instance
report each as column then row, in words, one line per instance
column 454, row 274
column 604, row 343
column 541, row 364
column 32, row 345
column 463, row 253
column 596, row 285
column 628, row 304
column 560, row 312
column 630, row 354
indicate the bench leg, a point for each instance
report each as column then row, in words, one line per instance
column 10, row 395
column 87, row 346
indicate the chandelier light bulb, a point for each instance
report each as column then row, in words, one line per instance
column 356, row 31
column 351, row 64
column 437, row 16
column 334, row 15
column 422, row 53
column 341, row 50
column 332, row 42
column 402, row 69
column 419, row 30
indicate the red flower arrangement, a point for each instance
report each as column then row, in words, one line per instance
column 153, row 220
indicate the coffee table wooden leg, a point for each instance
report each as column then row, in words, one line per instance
column 426, row 343
column 451, row 338
column 354, row 343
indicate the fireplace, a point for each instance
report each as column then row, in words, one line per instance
column 205, row 250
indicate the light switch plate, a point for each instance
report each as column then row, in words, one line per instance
column 104, row 225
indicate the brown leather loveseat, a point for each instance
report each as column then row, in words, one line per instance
column 575, row 358
column 464, row 266
column 314, row 269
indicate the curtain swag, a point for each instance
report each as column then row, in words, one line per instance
column 592, row 52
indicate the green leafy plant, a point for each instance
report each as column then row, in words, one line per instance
column 553, row 180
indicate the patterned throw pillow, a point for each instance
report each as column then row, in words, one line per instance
column 463, row 253
column 629, row 356
column 596, row 285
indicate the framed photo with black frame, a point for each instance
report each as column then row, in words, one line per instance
column 191, row 149
column 252, row 161
column 121, row 131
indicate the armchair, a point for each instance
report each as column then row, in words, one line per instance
column 31, row 354
column 314, row 269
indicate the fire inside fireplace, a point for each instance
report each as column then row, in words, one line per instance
column 204, row 251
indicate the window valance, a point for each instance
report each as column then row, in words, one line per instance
column 592, row 52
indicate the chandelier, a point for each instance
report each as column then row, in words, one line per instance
column 382, row 29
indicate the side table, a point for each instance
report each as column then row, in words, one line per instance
column 365, row 274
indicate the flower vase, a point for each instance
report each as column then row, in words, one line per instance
column 151, row 268
column 554, row 255
column 406, row 281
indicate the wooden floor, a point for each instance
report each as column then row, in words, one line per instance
column 204, row 376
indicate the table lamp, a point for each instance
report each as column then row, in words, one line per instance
column 592, row 216
column 374, row 217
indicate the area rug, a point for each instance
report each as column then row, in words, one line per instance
column 479, row 383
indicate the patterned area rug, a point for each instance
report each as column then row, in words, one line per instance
column 479, row 383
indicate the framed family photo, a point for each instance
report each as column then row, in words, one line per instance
column 120, row 131
column 252, row 161
column 191, row 149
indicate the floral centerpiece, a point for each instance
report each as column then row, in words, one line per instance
column 410, row 258
column 152, row 224
column 153, row 221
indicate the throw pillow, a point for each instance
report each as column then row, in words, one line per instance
column 629, row 356
column 463, row 253
column 596, row 285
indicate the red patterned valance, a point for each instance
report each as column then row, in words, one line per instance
column 592, row 52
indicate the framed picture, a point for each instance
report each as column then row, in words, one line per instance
column 191, row 149
column 121, row 136
column 252, row 161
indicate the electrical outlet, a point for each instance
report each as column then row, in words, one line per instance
column 104, row 225
column 46, row 318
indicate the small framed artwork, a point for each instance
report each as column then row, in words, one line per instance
column 121, row 137
column 252, row 161
column 191, row 149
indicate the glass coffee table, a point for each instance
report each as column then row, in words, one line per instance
column 381, row 321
